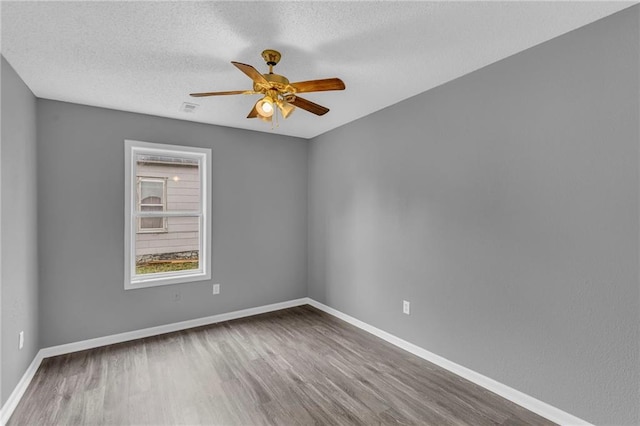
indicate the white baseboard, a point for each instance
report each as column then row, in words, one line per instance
column 530, row 403
column 21, row 387
column 167, row 328
column 18, row 392
column 541, row 408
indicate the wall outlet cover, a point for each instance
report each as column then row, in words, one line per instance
column 406, row 307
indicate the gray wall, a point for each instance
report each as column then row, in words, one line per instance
column 504, row 207
column 259, row 222
column 19, row 236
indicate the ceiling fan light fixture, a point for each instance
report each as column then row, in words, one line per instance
column 285, row 108
column 265, row 107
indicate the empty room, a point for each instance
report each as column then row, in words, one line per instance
column 320, row 213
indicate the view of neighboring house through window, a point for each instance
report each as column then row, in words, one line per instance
column 167, row 226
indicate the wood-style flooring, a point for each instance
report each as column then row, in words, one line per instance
column 297, row 366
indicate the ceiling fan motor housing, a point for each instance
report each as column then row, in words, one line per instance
column 276, row 82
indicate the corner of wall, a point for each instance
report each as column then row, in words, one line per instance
column 20, row 283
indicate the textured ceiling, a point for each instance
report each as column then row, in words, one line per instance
column 147, row 57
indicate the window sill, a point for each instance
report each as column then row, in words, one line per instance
column 156, row 281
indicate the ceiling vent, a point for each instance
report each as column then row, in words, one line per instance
column 188, row 107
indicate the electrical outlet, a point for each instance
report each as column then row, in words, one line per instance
column 216, row 289
column 21, row 340
column 406, row 307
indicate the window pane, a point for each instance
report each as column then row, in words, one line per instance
column 151, row 192
column 152, row 223
column 178, row 249
column 150, row 201
column 182, row 176
column 152, row 208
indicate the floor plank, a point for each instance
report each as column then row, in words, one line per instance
column 298, row 366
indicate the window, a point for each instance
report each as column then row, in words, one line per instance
column 152, row 196
column 167, row 222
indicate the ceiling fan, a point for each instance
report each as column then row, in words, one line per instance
column 278, row 93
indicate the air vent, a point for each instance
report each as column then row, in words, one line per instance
column 188, row 107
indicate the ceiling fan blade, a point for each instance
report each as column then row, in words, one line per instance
column 253, row 73
column 253, row 113
column 318, row 85
column 307, row 105
column 231, row 92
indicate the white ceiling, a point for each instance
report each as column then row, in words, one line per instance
column 148, row 56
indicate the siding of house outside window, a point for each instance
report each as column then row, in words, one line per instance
column 183, row 193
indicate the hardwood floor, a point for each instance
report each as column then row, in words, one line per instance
column 290, row 367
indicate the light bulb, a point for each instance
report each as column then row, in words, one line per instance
column 265, row 107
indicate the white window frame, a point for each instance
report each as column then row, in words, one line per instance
column 131, row 149
column 139, row 180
